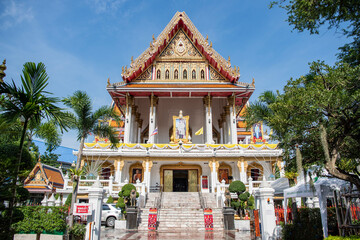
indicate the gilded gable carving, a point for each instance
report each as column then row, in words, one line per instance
column 180, row 46
column 145, row 75
column 214, row 75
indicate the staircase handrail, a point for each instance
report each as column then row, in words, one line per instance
column 157, row 203
column 202, row 201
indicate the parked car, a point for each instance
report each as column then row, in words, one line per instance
column 109, row 214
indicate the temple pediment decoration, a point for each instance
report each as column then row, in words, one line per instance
column 180, row 38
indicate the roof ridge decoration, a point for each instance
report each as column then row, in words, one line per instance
column 180, row 20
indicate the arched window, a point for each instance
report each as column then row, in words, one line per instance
column 158, row 74
column 184, row 74
column 193, row 74
column 176, row 74
column 167, row 75
column 202, row 74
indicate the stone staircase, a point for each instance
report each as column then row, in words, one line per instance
column 181, row 211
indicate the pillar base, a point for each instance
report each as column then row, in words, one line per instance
column 131, row 218
column 229, row 222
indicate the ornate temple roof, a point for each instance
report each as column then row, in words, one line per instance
column 180, row 21
column 44, row 178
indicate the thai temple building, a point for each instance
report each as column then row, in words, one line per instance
column 182, row 127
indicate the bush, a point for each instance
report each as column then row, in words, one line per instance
column 342, row 238
column 237, row 187
column 124, row 197
column 40, row 219
column 251, row 202
column 306, row 227
column 78, row 231
column 110, row 200
column 68, row 200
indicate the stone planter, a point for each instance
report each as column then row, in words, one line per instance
column 22, row 236
column 242, row 225
column 32, row 236
column 120, row 224
column 44, row 236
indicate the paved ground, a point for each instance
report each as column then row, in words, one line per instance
column 110, row 233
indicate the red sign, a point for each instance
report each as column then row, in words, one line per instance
column 82, row 209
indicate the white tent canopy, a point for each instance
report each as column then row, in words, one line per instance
column 322, row 188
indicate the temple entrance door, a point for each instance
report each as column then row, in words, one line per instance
column 180, row 180
column 193, row 176
column 168, row 180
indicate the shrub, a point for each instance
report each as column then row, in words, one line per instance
column 110, row 200
column 251, row 202
column 342, row 238
column 68, row 200
column 40, row 219
column 124, row 197
column 237, row 187
column 78, row 231
column 306, row 227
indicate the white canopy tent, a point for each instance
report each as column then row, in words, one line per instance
column 323, row 188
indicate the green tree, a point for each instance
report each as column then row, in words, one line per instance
column 30, row 102
column 344, row 15
column 85, row 121
column 319, row 113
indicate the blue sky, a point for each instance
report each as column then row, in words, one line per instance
column 82, row 43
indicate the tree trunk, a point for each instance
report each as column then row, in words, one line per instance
column 13, row 190
column 76, row 180
column 330, row 165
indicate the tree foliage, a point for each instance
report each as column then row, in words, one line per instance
column 86, row 121
column 320, row 113
column 344, row 15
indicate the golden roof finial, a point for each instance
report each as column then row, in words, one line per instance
column 132, row 59
column 253, row 82
column 210, row 44
column 238, row 70
column 153, row 38
column 39, row 160
column 207, row 38
column 108, row 82
column 122, row 70
column 229, row 60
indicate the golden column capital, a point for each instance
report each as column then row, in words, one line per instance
column 207, row 100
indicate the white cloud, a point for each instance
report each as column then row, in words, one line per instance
column 15, row 13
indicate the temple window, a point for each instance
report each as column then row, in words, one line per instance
column 184, row 74
column 158, row 74
column 167, row 74
column 176, row 74
column 193, row 74
column 202, row 74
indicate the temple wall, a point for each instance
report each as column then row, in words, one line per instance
column 169, row 107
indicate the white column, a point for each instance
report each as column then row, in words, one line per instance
column 152, row 117
column 118, row 170
column 250, row 185
column 228, row 125
column 267, row 211
column 128, row 121
column 241, row 166
column 225, row 128
column 233, row 128
column 232, row 120
column 111, row 183
column 96, row 194
column 208, row 120
column 221, row 140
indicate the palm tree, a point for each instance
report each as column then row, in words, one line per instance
column 30, row 102
column 85, row 122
